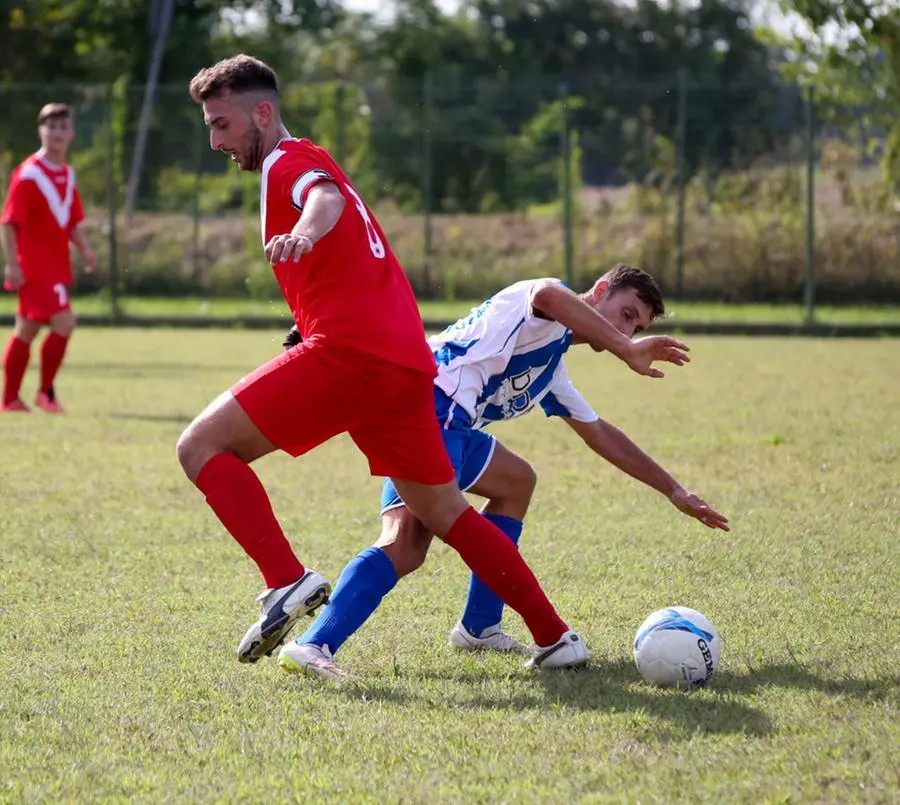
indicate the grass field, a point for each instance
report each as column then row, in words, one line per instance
column 439, row 310
column 122, row 600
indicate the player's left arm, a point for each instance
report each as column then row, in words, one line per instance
column 610, row 443
column 81, row 242
column 555, row 301
column 322, row 209
column 78, row 236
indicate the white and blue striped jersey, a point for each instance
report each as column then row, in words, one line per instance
column 501, row 360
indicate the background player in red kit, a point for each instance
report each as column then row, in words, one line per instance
column 42, row 213
column 364, row 368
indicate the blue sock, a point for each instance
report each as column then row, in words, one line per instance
column 483, row 608
column 366, row 579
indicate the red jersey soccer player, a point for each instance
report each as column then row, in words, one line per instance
column 364, row 368
column 41, row 215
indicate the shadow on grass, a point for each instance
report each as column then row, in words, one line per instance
column 615, row 687
column 604, row 686
column 798, row 675
column 178, row 419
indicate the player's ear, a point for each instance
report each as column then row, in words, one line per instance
column 600, row 288
column 263, row 114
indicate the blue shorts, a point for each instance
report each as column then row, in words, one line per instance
column 470, row 453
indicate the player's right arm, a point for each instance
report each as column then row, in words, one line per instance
column 14, row 215
column 321, row 212
column 555, row 301
column 610, row 443
column 12, row 271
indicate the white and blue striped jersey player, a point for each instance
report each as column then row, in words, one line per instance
column 497, row 363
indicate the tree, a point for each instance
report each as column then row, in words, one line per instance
column 852, row 59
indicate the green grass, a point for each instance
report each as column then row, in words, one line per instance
column 122, row 599
column 440, row 310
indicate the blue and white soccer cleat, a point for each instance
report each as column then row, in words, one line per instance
column 568, row 652
column 281, row 608
column 495, row 640
column 308, row 658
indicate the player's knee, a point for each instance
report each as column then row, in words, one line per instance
column 188, row 450
column 26, row 330
column 65, row 329
column 526, row 481
column 405, row 541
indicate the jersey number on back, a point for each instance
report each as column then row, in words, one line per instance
column 375, row 243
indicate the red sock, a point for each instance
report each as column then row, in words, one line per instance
column 52, row 352
column 493, row 557
column 15, row 362
column 236, row 495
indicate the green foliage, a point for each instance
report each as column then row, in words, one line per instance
column 857, row 77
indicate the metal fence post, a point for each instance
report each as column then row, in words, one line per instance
column 427, row 177
column 809, row 282
column 340, row 121
column 115, row 310
column 566, row 156
column 681, row 169
column 199, row 143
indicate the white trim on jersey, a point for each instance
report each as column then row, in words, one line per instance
column 61, row 208
column 303, row 183
column 268, row 162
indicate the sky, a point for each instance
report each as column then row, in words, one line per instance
column 767, row 12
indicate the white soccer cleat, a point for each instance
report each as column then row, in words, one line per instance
column 281, row 608
column 308, row 658
column 568, row 652
column 497, row 640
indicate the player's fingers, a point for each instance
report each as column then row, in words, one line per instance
column 299, row 250
column 277, row 248
column 712, row 519
column 652, row 371
column 674, row 342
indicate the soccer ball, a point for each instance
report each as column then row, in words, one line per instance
column 677, row 646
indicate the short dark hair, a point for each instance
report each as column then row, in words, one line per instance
column 622, row 276
column 54, row 111
column 238, row 74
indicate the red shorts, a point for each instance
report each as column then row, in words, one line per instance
column 40, row 301
column 314, row 391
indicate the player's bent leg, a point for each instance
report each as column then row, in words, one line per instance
column 15, row 363
column 493, row 558
column 223, row 426
column 215, row 452
column 362, row 585
column 53, row 351
column 508, row 481
column 406, row 445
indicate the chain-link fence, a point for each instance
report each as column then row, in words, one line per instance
column 728, row 193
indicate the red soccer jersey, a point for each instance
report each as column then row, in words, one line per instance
column 44, row 205
column 350, row 289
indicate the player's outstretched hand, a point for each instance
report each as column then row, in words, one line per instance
column 646, row 351
column 699, row 509
column 282, row 248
